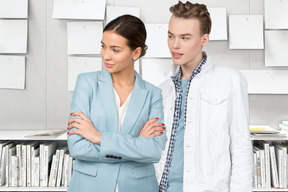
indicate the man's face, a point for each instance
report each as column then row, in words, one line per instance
column 185, row 41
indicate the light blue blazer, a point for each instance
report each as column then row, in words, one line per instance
column 122, row 158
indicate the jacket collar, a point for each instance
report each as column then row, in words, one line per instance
column 175, row 68
column 137, row 101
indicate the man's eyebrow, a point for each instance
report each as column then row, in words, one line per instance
column 185, row 34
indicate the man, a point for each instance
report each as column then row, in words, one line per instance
column 206, row 113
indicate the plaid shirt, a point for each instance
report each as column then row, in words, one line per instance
column 177, row 81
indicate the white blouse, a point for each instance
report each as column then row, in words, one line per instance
column 121, row 114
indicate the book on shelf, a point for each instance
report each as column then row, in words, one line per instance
column 35, row 164
column 30, row 150
column 9, row 168
column 265, row 145
column 19, row 165
column 3, row 155
column 63, row 150
column 262, row 184
column 275, row 181
column 258, row 181
column 67, row 169
column 51, row 175
column 46, row 153
column 46, row 134
column 280, row 162
column 14, row 171
column 37, row 172
column 255, row 170
column 70, row 166
column 283, row 166
column 55, row 168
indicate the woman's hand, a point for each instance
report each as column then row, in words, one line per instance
column 84, row 127
column 152, row 129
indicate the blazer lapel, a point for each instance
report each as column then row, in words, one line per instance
column 108, row 100
column 137, row 101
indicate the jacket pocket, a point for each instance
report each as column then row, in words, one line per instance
column 215, row 98
column 214, row 112
column 144, row 171
column 85, row 167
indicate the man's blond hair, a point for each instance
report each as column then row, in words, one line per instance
column 197, row 11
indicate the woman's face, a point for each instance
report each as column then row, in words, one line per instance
column 116, row 54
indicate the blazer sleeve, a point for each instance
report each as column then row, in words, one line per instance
column 241, row 146
column 139, row 149
column 122, row 147
column 79, row 147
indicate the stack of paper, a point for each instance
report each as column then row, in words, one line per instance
column 265, row 131
column 283, row 125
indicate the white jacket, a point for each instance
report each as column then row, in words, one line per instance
column 217, row 145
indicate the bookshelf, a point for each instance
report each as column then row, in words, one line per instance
column 15, row 135
column 33, row 188
column 269, row 139
column 270, row 189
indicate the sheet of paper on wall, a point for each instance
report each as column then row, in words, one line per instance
column 79, row 9
column 156, row 41
column 246, row 32
column 13, row 36
column 276, row 43
column 267, row 81
column 276, row 14
column 155, row 70
column 113, row 12
column 109, row 2
column 84, row 37
column 12, row 72
column 219, row 24
column 13, row 8
column 77, row 65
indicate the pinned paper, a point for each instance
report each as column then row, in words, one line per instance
column 266, row 81
column 13, row 36
column 79, row 9
column 155, row 70
column 276, row 14
column 157, row 35
column 13, row 8
column 276, row 43
column 116, row 11
column 77, row 65
column 219, row 24
column 12, row 72
column 84, row 37
column 246, row 32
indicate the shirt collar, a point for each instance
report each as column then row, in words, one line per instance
column 177, row 77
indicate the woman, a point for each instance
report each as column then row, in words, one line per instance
column 109, row 108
